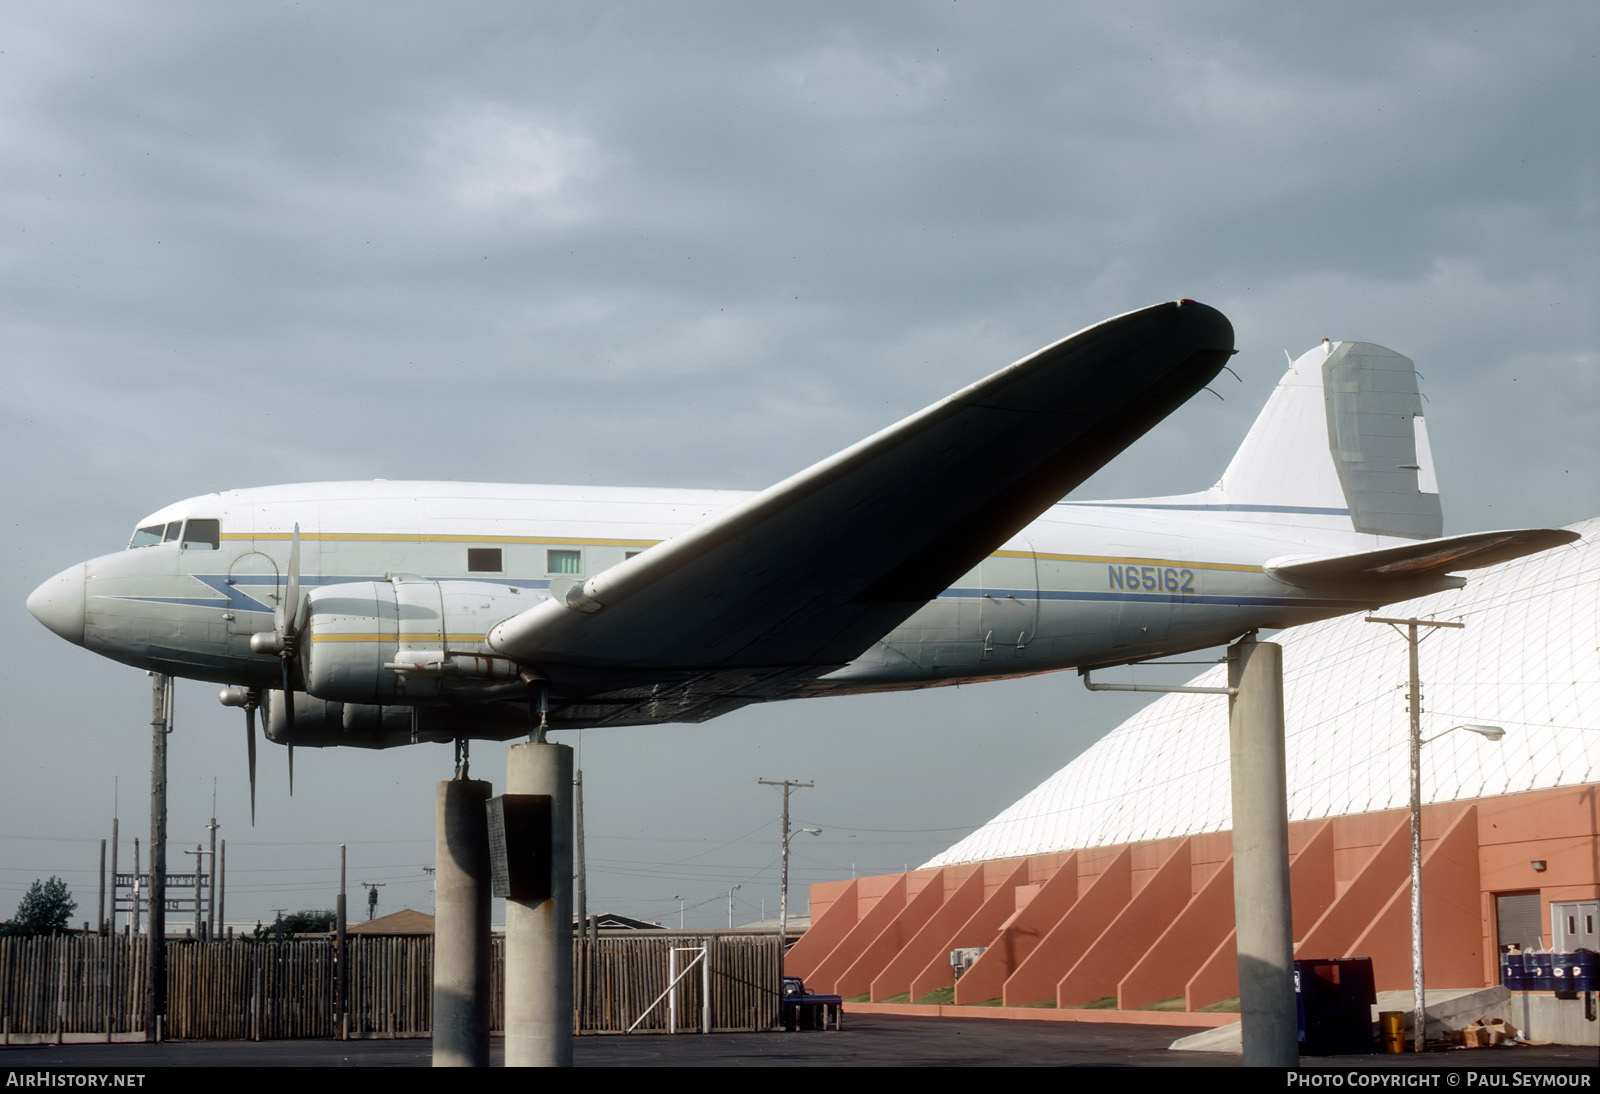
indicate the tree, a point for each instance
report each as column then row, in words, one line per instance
column 47, row 909
column 306, row 921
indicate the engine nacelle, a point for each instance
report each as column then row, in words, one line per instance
column 405, row 639
column 321, row 724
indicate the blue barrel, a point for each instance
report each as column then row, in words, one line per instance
column 1573, row 971
column 1542, row 972
column 1514, row 972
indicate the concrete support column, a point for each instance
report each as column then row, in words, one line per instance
column 461, row 985
column 1261, row 906
column 539, row 931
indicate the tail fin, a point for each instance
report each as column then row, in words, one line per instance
column 1341, row 444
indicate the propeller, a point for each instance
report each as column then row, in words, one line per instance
column 249, row 699
column 288, row 620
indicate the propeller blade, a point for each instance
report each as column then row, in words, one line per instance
column 288, row 700
column 250, row 736
column 291, row 771
column 291, row 598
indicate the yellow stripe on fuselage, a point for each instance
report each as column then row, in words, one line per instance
column 576, row 541
column 417, row 537
column 1114, row 561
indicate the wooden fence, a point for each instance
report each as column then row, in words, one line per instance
column 88, row 987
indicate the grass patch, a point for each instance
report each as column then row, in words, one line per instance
column 939, row 997
column 903, row 997
column 1109, row 1002
column 1225, row 1006
column 987, row 1003
column 862, row 998
column 1167, row 1005
column 1043, row 1004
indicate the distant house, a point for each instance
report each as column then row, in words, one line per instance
column 405, row 922
column 611, row 921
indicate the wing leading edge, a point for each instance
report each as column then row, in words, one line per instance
column 804, row 576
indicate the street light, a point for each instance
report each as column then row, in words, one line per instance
column 783, row 892
column 1494, row 733
column 1420, row 1001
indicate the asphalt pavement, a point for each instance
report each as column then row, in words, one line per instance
column 866, row 1041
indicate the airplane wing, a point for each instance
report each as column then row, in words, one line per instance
column 1425, row 559
column 804, row 576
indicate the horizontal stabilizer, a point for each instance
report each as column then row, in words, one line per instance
column 1426, row 559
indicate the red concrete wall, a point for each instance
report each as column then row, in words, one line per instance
column 1001, row 880
column 1131, row 934
column 932, row 943
column 1085, row 924
column 1019, row 936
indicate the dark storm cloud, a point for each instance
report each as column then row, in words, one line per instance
column 705, row 244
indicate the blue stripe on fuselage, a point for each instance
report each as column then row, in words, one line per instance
column 1146, row 598
column 231, row 593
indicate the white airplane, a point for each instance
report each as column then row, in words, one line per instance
column 935, row 552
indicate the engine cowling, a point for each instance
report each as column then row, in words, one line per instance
column 319, row 723
column 406, row 640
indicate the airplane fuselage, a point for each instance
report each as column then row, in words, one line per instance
column 933, row 552
column 1086, row 584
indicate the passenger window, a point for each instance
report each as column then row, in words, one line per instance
column 483, row 560
column 202, row 535
column 563, row 562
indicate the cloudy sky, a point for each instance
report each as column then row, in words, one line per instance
column 705, row 244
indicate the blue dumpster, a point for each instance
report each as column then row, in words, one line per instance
column 1333, row 999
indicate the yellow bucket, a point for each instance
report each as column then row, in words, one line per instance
column 1392, row 1030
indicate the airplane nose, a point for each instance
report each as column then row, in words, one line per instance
column 58, row 604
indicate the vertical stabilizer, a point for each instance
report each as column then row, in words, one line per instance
column 1379, row 442
column 1341, row 444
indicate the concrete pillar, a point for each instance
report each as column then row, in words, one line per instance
column 539, row 932
column 461, row 925
column 1261, row 855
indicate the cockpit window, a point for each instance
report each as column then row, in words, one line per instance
column 202, row 535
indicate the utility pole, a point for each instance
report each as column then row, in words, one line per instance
column 580, row 889
column 1419, row 995
column 212, row 922
column 156, row 983
column 136, row 887
column 111, row 921
column 341, row 990
column 200, row 921
column 783, row 890
column 730, row 905
column 372, row 896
